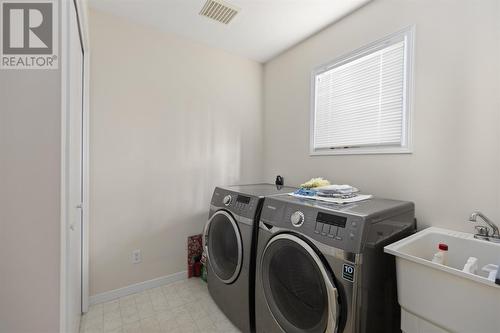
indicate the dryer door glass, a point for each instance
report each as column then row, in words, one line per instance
column 224, row 246
column 295, row 288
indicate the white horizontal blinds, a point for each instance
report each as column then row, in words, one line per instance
column 360, row 103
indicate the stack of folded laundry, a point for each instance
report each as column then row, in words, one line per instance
column 337, row 191
column 320, row 189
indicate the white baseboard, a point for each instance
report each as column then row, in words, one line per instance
column 137, row 288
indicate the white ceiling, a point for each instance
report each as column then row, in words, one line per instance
column 261, row 30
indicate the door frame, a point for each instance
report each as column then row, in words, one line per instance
column 81, row 8
column 82, row 16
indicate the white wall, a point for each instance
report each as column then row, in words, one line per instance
column 30, row 180
column 455, row 167
column 170, row 119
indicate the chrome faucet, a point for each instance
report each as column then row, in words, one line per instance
column 483, row 232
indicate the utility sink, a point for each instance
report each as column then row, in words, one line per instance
column 436, row 298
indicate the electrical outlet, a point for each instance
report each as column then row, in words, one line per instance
column 136, row 256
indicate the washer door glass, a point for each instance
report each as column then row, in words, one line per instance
column 295, row 287
column 224, row 246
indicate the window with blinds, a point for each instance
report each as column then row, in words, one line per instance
column 361, row 102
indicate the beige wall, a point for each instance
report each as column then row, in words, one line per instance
column 170, row 119
column 30, row 165
column 455, row 166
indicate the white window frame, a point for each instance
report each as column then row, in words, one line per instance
column 407, row 34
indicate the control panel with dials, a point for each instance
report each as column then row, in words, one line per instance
column 342, row 227
column 238, row 204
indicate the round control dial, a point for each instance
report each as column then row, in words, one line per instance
column 227, row 200
column 297, row 218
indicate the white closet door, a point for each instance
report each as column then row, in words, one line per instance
column 75, row 181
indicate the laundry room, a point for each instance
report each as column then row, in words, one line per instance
column 253, row 166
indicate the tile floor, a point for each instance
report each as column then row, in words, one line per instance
column 183, row 306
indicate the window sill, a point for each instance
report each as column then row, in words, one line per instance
column 361, row 151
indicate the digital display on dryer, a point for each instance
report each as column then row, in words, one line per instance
column 335, row 220
column 243, row 199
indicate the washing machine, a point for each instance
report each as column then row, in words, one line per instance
column 321, row 267
column 230, row 241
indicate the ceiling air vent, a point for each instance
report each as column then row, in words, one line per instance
column 219, row 11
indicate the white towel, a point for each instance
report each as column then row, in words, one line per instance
column 341, row 189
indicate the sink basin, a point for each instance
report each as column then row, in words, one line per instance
column 436, row 298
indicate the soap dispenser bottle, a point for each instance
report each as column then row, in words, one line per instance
column 471, row 266
column 440, row 257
